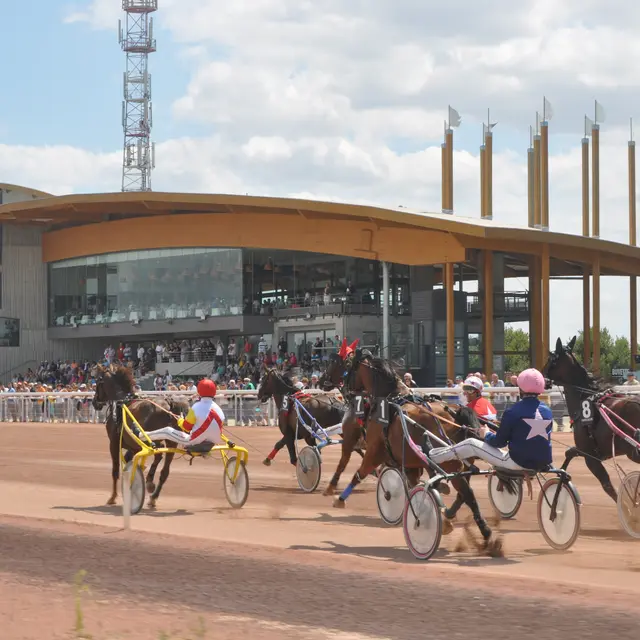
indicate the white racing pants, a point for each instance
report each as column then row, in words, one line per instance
column 474, row 448
column 212, row 434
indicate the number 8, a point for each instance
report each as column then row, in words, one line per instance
column 586, row 409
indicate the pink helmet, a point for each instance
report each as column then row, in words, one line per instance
column 531, row 381
column 475, row 383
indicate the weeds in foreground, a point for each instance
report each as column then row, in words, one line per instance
column 80, row 587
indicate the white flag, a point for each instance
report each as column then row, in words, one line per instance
column 588, row 125
column 486, row 129
column 599, row 114
column 547, row 109
column 454, row 118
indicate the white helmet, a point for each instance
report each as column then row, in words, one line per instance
column 298, row 385
column 473, row 383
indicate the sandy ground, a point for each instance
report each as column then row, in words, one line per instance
column 287, row 565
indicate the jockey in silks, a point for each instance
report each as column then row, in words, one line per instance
column 202, row 424
column 525, row 429
column 472, row 389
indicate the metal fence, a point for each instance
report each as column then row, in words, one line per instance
column 240, row 407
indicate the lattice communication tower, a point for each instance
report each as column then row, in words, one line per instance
column 137, row 41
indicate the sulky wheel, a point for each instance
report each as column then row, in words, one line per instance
column 563, row 531
column 308, row 469
column 390, row 496
column 237, row 491
column 422, row 523
column 507, row 504
column 629, row 504
column 138, row 489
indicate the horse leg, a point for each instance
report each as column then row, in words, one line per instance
column 374, row 456
column 349, row 441
column 114, row 450
column 597, row 469
column 277, row 447
column 164, row 474
column 151, row 486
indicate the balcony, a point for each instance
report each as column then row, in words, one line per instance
column 511, row 305
column 139, row 6
column 334, row 306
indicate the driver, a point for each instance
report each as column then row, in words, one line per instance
column 525, row 429
column 202, row 424
column 472, row 389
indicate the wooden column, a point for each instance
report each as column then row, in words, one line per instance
column 585, row 186
column 537, row 211
column 545, row 306
column 633, row 285
column 487, row 313
column 596, row 316
column 445, row 188
column 586, row 314
column 595, row 181
column 530, row 187
column 483, row 182
column 449, row 141
column 448, row 283
column 535, row 312
column 544, row 176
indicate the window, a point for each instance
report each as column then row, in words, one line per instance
column 9, row 332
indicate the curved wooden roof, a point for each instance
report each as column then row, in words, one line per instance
column 64, row 215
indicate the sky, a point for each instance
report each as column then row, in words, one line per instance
column 334, row 100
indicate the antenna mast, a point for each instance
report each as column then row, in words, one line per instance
column 137, row 41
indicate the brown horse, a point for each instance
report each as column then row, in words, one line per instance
column 325, row 408
column 387, row 444
column 115, row 386
column 593, row 442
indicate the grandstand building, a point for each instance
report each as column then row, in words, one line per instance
column 80, row 272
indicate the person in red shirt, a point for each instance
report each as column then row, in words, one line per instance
column 472, row 389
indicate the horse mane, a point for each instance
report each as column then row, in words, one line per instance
column 590, row 381
column 123, row 377
column 384, row 374
column 465, row 416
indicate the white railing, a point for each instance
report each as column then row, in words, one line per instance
column 240, row 407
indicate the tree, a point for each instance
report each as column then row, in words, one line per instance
column 615, row 353
column 516, row 345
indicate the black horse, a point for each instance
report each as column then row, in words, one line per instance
column 325, row 408
column 592, row 441
column 115, row 386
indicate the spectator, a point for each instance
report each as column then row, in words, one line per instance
column 631, row 381
column 408, row 380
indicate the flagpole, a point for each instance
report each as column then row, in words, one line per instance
column 530, row 182
column 595, row 179
column 633, row 288
column 449, row 142
column 544, row 169
column 537, row 220
column 586, row 273
column 483, row 171
column 488, row 171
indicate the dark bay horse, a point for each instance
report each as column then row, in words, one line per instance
column 115, row 386
column 386, row 444
column 325, row 408
column 594, row 442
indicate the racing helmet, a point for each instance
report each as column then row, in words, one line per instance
column 531, row 381
column 207, row 388
column 473, row 383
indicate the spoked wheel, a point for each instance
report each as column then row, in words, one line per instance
column 237, row 491
column 422, row 524
column 390, row 495
column 138, row 489
column 629, row 504
column 563, row 531
column 507, row 504
column 308, row 469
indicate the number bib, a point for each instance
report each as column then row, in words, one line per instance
column 586, row 413
column 285, row 403
column 358, row 407
column 381, row 413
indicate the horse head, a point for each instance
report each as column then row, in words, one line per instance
column 273, row 383
column 562, row 366
column 112, row 384
column 339, row 365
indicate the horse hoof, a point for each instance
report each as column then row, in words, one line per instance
column 266, row 462
column 494, row 547
column 151, row 487
column 339, row 504
column 151, row 505
column 447, row 527
column 111, row 501
column 329, row 491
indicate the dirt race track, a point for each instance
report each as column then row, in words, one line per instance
column 287, row 565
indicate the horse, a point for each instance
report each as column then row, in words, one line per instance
column 326, row 409
column 115, row 386
column 593, row 442
column 386, row 444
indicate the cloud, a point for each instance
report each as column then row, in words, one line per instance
column 346, row 101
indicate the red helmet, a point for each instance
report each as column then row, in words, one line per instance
column 207, row 388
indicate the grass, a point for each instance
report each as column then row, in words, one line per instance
column 81, row 588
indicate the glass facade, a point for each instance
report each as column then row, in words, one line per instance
column 189, row 283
